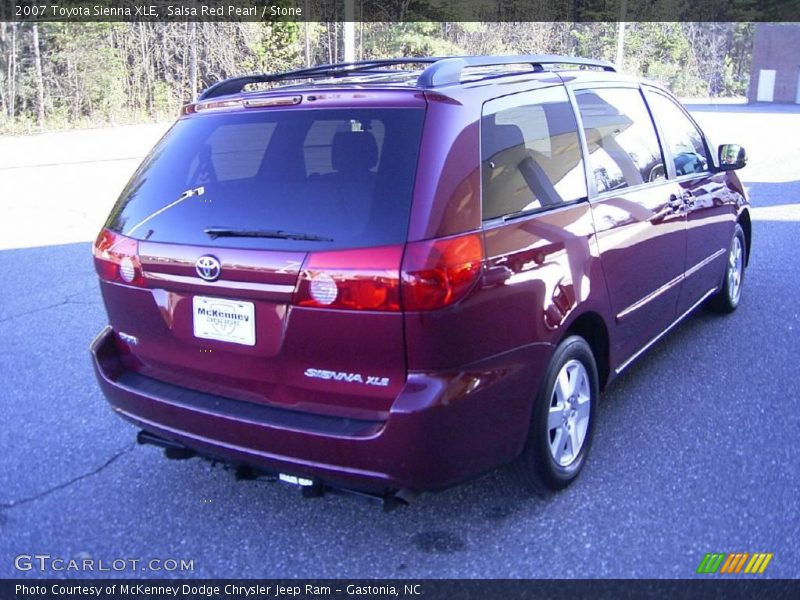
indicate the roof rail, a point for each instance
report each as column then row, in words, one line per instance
column 234, row 85
column 441, row 70
column 448, row 70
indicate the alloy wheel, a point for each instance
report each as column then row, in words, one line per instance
column 735, row 265
column 570, row 408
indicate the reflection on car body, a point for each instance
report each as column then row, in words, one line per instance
column 395, row 290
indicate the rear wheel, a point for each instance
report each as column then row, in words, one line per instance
column 727, row 299
column 563, row 419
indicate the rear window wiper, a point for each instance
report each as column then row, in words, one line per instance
column 218, row 232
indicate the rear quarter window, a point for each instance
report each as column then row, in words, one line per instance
column 530, row 153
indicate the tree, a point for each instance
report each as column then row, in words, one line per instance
column 39, row 78
column 66, row 73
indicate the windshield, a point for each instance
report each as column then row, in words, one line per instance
column 291, row 179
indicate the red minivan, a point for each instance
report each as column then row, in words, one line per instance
column 392, row 275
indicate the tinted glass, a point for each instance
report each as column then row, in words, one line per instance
column 681, row 136
column 622, row 141
column 343, row 175
column 530, row 153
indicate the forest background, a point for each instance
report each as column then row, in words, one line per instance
column 65, row 75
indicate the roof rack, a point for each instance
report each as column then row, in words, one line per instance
column 440, row 70
column 235, row 85
column 448, row 71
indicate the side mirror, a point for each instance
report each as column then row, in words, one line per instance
column 731, row 157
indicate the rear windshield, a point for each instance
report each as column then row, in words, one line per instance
column 284, row 179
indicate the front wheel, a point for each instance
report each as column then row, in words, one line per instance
column 563, row 419
column 727, row 299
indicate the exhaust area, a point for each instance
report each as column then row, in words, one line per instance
column 172, row 450
column 310, row 488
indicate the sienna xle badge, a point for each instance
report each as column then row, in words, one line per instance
column 393, row 275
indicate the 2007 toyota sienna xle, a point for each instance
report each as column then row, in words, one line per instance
column 392, row 275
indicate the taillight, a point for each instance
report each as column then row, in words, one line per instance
column 437, row 273
column 367, row 279
column 116, row 258
column 430, row 275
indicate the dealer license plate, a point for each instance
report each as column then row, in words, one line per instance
column 224, row 320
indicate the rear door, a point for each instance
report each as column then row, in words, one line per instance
column 226, row 211
column 640, row 226
column 538, row 227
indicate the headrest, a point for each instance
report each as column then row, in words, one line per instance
column 353, row 151
column 501, row 137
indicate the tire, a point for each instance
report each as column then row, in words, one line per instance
column 545, row 463
column 730, row 294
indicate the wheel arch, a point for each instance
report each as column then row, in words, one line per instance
column 592, row 328
column 747, row 226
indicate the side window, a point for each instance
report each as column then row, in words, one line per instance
column 530, row 153
column 683, row 139
column 622, row 141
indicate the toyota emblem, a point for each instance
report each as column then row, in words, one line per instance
column 208, row 268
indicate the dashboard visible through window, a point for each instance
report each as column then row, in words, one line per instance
column 683, row 139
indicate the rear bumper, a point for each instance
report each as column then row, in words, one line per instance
column 442, row 428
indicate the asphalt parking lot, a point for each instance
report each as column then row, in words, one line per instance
column 697, row 447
